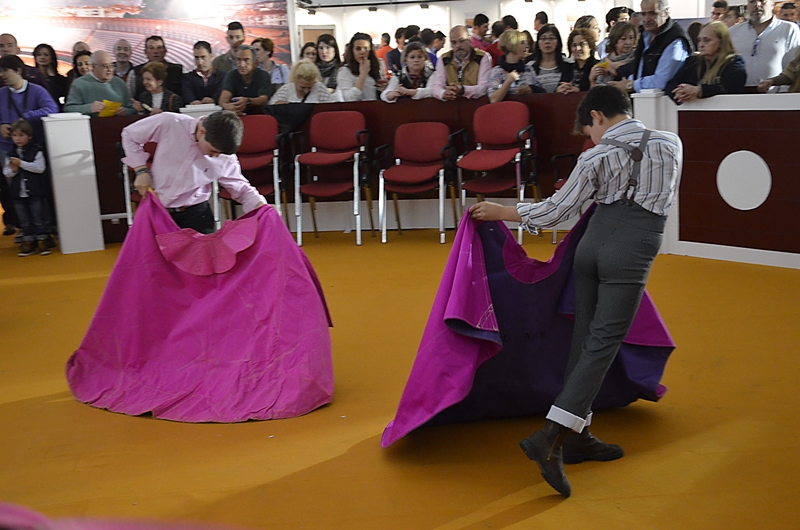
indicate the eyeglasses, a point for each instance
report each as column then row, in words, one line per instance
column 579, row 45
column 755, row 47
column 107, row 66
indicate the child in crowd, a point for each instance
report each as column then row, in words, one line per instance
column 26, row 170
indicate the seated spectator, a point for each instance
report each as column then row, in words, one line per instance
column 363, row 75
column 122, row 53
column 202, row 85
column 733, row 16
column 789, row 76
column 29, row 188
column 87, row 93
column 787, row 12
column 512, row 75
column 581, row 43
column 394, row 57
column 304, row 86
column 155, row 98
column 8, row 46
column 414, row 81
column 660, row 52
column 81, row 65
column 527, row 49
column 235, row 36
column 620, row 51
column 47, row 65
column 278, row 73
column 715, row 69
column 590, row 23
column 18, row 99
column 328, row 60
column 493, row 49
column 480, row 27
column 463, row 71
column 156, row 51
column 547, row 59
column 247, row 86
column 309, row 51
column 21, row 99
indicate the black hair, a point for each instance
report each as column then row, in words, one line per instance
column 427, row 35
column 498, row 28
column 329, row 40
column 510, row 22
column 440, row 35
column 77, row 56
column 352, row 64
column 203, row 44
column 51, row 51
column 411, row 31
column 233, row 26
column 541, row 16
column 224, row 131
column 399, row 32
column 12, row 62
column 385, row 38
column 414, row 46
column 607, row 99
column 307, row 45
column 480, row 19
column 536, row 54
column 724, row 4
column 788, row 5
column 614, row 13
column 739, row 11
column 153, row 37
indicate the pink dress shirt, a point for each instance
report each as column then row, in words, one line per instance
column 182, row 174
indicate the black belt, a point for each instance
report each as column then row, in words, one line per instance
column 187, row 208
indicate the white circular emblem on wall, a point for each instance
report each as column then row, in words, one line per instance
column 744, row 180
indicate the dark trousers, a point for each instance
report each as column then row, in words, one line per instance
column 612, row 262
column 7, row 202
column 33, row 216
column 198, row 217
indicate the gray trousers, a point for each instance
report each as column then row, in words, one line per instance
column 612, row 262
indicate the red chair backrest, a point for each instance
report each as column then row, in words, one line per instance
column 420, row 142
column 260, row 133
column 499, row 123
column 336, row 131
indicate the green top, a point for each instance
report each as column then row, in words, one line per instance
column 87, row 89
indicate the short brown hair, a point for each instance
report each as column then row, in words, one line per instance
column 156, row 69
column 22, row 126
column 266, row 44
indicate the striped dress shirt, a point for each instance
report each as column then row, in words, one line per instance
column 602, row 174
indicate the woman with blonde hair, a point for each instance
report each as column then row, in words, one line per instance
column 716, row 68
column 512, row 75
column 304, row 86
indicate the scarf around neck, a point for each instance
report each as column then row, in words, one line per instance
column 511, row 67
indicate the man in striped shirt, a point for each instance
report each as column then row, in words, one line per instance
column 612, row 262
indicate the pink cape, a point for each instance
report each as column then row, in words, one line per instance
column 225, row 327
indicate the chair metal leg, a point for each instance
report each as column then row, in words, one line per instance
column 368, row 194
column 555, row 234
column 382, row 205
column 313, row 202
column 215, row 205
column 357, row 199
column 298, row 202
column 285, row 208
column 442, row 200
column 397, row 214
column 521, row 198
column 462, row 193
column 126, row 183
column 276, row 182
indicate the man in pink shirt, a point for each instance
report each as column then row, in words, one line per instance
column 480, row 27
column 190, row 155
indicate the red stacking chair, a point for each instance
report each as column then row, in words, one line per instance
column 261, row 148
column 335, row 138
column 503, row 135
column 421, row 150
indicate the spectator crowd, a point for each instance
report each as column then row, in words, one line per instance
column 751, row 45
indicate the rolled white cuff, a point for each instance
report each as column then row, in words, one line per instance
column 567, row 419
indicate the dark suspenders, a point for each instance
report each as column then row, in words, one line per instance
column 637, row 153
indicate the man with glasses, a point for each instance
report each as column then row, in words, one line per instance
column 87, row 93
column 764, row 41
column 235, row 38
column 463, row 71
column 661, row 51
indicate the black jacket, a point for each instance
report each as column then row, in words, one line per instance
column 37, row 184
column 171, row 102
column 731, row 79
column 174, row 81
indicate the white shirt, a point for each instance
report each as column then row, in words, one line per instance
column 764, row 54
column 602, row 174
column 346, row 84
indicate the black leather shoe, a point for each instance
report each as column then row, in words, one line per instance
column 9, row 230
column 544, row 446
column 585, row 446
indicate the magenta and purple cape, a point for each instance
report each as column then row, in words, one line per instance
column 224, row 327
column 498, row 337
